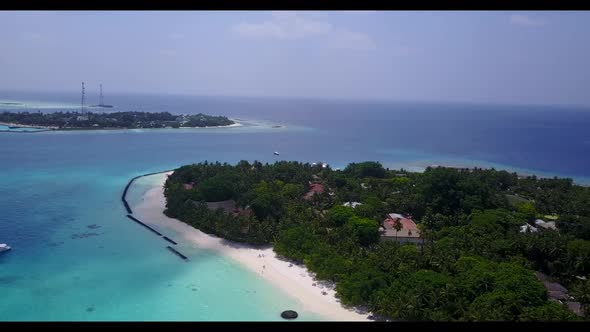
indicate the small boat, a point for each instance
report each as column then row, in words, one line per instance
column 4, row 247
column 276, row 153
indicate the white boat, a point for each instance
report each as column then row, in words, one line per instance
column 4, row 247
column 276, row 153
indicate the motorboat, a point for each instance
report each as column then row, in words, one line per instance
column 4, row 247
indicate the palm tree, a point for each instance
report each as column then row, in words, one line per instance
column 427, row 229
column 397, row 225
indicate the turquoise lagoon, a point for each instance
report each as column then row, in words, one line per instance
column 77, row 257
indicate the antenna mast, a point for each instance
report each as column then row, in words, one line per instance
column 101, row 98
column 83, row 99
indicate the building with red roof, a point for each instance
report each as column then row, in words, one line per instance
column 314, row 188
column 408, row 231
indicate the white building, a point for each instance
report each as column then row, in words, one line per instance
column 352, row 204
column 546, row 225
column 409, row 231
column 526, row 228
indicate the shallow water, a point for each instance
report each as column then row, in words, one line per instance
column 19, row 129
column 77, row 257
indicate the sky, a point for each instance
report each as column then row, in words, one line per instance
column 538, row 57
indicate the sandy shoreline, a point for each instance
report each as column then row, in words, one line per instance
column 9, row 124
column 293, row 280
column 237, row 124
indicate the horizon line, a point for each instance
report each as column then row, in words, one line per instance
column 317, row 98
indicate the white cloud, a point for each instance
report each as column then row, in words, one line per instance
column 284, row 25
column 291, row 25
column 352, row 40
column 526, row 21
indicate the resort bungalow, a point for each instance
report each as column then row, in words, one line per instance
column 408, row 232
column 352, row 204
column 556, row 291
column 323, row 165
column 576, row 307
column 545, row 225
column 314, row 188
column 559, row 294
column 228, row 207
column 526, row 228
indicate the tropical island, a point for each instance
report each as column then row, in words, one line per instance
column 114, row 120
column 444, row 245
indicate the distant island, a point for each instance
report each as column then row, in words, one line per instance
column 114, row 120
column 446, row 244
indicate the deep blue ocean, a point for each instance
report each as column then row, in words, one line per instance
column 76, row 256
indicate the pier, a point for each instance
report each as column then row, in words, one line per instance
column 124, row 196
column 142, row 224
column 177, row 253
column 169, row 240
column 129, row 212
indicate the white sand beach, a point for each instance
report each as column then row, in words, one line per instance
column 294, row 280
column 236, row 124
column 10, row 124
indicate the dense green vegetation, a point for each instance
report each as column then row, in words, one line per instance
column 474, row 264
column 113, row 120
